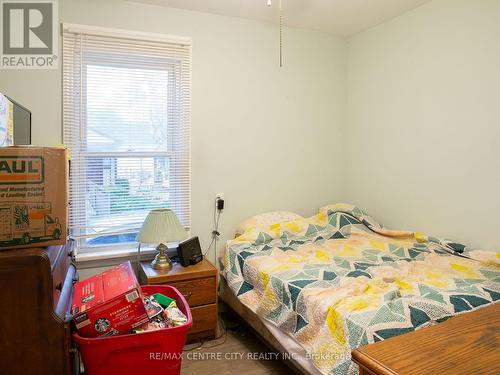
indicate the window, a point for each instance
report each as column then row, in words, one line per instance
column 126, row 99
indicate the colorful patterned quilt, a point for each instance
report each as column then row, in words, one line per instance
column 339, row 280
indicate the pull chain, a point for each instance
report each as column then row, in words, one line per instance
column 269, row 3
column 281, row 33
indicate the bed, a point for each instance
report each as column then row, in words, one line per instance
column 317, row 288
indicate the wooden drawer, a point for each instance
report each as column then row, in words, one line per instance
column 61, row 261
column 198, row 284
column 198, row 291
column 204, row 318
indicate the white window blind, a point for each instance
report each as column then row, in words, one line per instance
column 126, row 104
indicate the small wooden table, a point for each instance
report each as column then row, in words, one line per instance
column 465, row 344
column 198, row 284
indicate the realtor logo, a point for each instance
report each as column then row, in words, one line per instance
column 29, row 34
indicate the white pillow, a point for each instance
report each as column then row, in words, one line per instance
column 266, row 219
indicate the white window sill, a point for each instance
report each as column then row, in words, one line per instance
column 101, row 257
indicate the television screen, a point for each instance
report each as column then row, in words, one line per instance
column 15, row 123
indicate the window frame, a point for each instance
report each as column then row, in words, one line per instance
column 174, row 125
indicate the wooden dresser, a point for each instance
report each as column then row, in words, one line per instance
column 36, row 287
column 465, row 344
column 198, row 284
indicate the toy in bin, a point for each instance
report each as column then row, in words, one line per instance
column 162, row 312
column 157, row 351
column 109, row 303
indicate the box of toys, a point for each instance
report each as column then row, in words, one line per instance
column 109, row 303
column 33, row 196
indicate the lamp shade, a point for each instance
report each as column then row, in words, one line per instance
column 161, row 226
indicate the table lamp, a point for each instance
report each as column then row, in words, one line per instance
column 161, row 226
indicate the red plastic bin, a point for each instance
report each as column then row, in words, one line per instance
column 154, row 352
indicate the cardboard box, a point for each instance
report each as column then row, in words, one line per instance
column 33, row 196
column 109, row 303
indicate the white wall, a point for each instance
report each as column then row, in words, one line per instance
column 268, row 138
column 424, row 121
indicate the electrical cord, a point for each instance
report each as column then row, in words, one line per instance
column 215, row 232
column 209, row 246
column 215, row 236
column 188, row 348
column 223, row 335
column 201, row 344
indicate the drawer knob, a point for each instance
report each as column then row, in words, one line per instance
column 188, row 295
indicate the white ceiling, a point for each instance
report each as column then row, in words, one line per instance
column 341, row 17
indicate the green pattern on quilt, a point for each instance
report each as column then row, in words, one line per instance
column 355, row 334
column 399, row 252
column 495, row 296
column 342, row 263
column 418, row 317
column 245, row 287
column 313, row 272
column 386, row 315
column 301, row 323
column 339, row 280
column 328, row 275
column 275, row 314
column 490, row 274
column 430, row 293
column 397, row 307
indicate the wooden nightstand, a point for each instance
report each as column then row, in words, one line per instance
column 198, row 284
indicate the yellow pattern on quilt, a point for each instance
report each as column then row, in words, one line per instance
column 339, row 280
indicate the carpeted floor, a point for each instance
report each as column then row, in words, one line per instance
column 238, row 352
